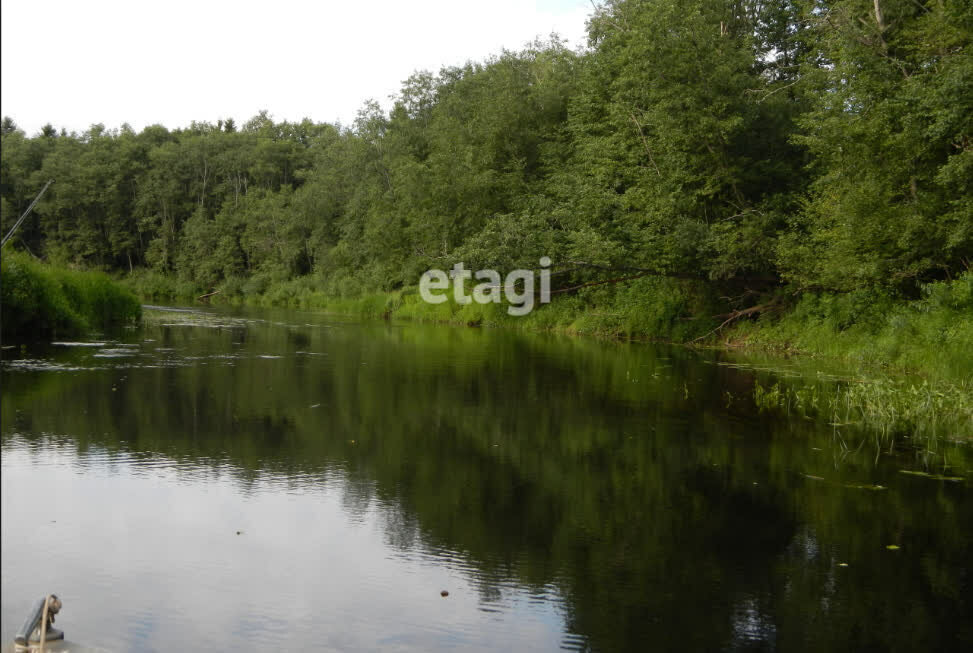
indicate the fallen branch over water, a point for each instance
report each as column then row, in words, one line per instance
column 736, row 315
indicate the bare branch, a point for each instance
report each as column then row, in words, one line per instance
column 645, row 143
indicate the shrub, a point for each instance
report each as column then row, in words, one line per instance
column 40, row 300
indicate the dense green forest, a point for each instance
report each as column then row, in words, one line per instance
column 743, row 155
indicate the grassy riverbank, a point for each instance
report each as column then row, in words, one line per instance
column 912, row 360
column 909, row 363
column 932, row 335
column 648, row 308
column 41, row 300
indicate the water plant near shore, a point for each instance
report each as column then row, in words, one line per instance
column 887, row 407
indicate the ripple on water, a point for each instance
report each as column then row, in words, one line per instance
column 184, row 537
column 38, row 365
column 116, row 352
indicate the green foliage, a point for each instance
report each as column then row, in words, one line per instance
column 40, row 300
column 889, row 131
column 933, row 334
column 885, row 407
column 152, row 285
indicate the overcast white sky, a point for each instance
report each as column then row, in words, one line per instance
column 75, row 63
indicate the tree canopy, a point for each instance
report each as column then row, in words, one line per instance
column 821, row 144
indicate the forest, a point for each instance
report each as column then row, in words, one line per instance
column 749, row 157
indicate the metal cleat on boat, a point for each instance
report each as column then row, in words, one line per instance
column 38, row 629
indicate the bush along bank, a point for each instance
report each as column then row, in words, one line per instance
column 40, row 300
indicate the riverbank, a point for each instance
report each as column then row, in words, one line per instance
column 909, row 363
column 931, row 336
column 45, row 301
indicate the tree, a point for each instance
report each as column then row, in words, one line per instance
column 890, row 135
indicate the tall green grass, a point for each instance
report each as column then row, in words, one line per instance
column 38, row 300
column 888, row 406
column 927, row 343
column 932, row 335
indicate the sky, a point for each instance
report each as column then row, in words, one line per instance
column 73, row 64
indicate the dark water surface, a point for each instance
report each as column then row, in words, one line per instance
column 566, row 492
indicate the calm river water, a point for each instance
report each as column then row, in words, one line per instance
column 227, row 480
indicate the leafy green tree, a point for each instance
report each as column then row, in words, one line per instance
column 890, row 135
column 681, row 162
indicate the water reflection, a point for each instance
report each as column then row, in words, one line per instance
column 568, row 493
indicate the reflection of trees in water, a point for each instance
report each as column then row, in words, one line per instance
column 616, row 473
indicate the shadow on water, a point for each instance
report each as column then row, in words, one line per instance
column 610, row 489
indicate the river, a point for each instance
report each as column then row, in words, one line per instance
column 222, row 479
